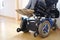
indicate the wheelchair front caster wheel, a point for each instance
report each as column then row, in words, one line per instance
column 54, row 28
column 18, row 29
column 35, row 34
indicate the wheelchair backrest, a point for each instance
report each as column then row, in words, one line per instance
column 40, row 8
column 50, row 2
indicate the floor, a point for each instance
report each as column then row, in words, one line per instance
column 8, row 32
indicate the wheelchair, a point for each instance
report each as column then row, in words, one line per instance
column 42, row 21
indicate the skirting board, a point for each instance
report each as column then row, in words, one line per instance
column 8, row 17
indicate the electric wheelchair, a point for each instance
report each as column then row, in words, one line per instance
column 42, row 21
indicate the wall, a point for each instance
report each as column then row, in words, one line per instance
column 58, row 5
column 9, row 8
column 58, row 19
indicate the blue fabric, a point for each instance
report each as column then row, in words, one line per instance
column 31, row 4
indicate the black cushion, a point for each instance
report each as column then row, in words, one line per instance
column 55, row 13
column 50, row 2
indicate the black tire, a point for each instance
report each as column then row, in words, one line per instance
column 35, row 34
column 18, row 30
column 54, row 25
column 40, row 29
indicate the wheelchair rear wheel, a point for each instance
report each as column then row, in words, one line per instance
column 44, row 29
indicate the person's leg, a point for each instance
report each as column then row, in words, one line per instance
column 33, row 4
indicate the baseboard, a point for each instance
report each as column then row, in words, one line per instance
column 8, row 17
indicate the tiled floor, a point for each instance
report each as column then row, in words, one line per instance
column 8, row 32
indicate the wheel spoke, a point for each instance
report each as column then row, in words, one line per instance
column 45, row 28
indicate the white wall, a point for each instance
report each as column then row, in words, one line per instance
column 1, row 4
column 9, row 8
column 58, row 19
column 58, row 5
